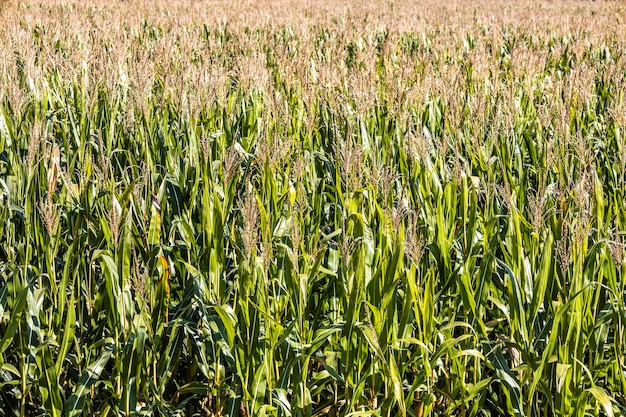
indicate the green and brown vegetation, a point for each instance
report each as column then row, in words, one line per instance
column 291, row 208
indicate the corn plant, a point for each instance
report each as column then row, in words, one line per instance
column 309, row 210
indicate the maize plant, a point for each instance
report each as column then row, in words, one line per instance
column 294, row 208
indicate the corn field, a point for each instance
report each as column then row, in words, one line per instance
column 309, row 208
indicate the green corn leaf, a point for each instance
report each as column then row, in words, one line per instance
column 75, row 403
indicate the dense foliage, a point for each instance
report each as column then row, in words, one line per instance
column 323, row 211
